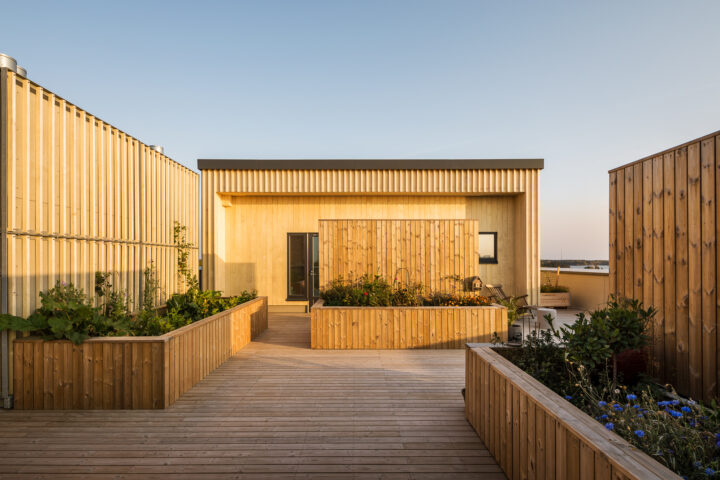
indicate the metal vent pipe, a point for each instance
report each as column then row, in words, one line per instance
column 6, row 61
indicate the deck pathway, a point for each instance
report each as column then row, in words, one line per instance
column 275, row 410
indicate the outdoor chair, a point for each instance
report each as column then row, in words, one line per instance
column 525, row 311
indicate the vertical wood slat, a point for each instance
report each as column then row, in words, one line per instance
column 130, row 372
column 512, row 413
column 709, row 267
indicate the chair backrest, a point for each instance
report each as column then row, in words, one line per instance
column 496, row 292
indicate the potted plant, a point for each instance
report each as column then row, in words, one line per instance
column 554, row 295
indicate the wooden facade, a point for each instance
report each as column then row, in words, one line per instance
column 534, row 433
column 78, row 196
column 439, row 254
column 130, row 372
column 664, row 223
column 378, row 328
column 249, row 208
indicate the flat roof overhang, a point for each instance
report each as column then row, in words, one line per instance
column 372, row 164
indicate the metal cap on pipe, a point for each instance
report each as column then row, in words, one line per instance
column 6, row 61
column 158, row 148
column 21, row 71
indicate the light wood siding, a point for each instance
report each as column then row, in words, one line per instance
column 353, row 328
column 532, row 432
column 434, row 253
column 131, row 372
column 674, row 259
column 247, row 214
column 81, row 196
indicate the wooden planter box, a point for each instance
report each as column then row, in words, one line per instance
column 404, row 327
column 534, row 433
column 554, row 300
column 130, row 372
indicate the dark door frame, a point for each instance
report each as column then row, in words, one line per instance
column 310, row 272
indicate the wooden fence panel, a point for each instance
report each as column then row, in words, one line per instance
column 534, row 433
column 402, row 250
column 677, row 206
column 131, row 372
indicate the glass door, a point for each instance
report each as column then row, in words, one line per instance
column 303, row 275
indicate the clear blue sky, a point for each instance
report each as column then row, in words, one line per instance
column 585, row 85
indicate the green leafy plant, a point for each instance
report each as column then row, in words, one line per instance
column 66, row 313
column 183, row 248
column 544, row 359
column 455, row 300
column 513, row 309
column 596, row 341
column 370, row 291
column 113, row 304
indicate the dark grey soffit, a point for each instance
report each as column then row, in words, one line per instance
column 372, row 164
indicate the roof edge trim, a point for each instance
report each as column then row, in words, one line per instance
column 372, row 164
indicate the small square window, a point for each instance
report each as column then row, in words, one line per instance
column 487, row 247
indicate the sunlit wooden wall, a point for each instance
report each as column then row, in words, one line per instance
column 435, row 253
column 80, row 196
column 664, row 223
column 247, row 214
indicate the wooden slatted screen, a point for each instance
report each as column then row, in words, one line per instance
column 435, row 253
column 664, row 222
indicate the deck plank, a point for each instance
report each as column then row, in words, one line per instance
column 276, row 409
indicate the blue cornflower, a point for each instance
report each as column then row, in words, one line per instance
column 640, row 415
column 717, row 444
column 675, row 402
column 675, row 413
column 617, row 407
column 717, row 436
column 709, row 471
column 568, row 397
column 609, row 425
column 636, row 406
column 692, row 423
column 603, row 417
column 686, row 409
column 664, row 403
column 639, row 433
column 631, row 397
column 602, row 404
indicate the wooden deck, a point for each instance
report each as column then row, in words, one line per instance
column 275, row 410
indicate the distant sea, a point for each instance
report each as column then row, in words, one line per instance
column 601, row 268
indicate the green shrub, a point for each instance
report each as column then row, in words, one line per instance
column 370, row 291
column 595, row 341
column 454, row 300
